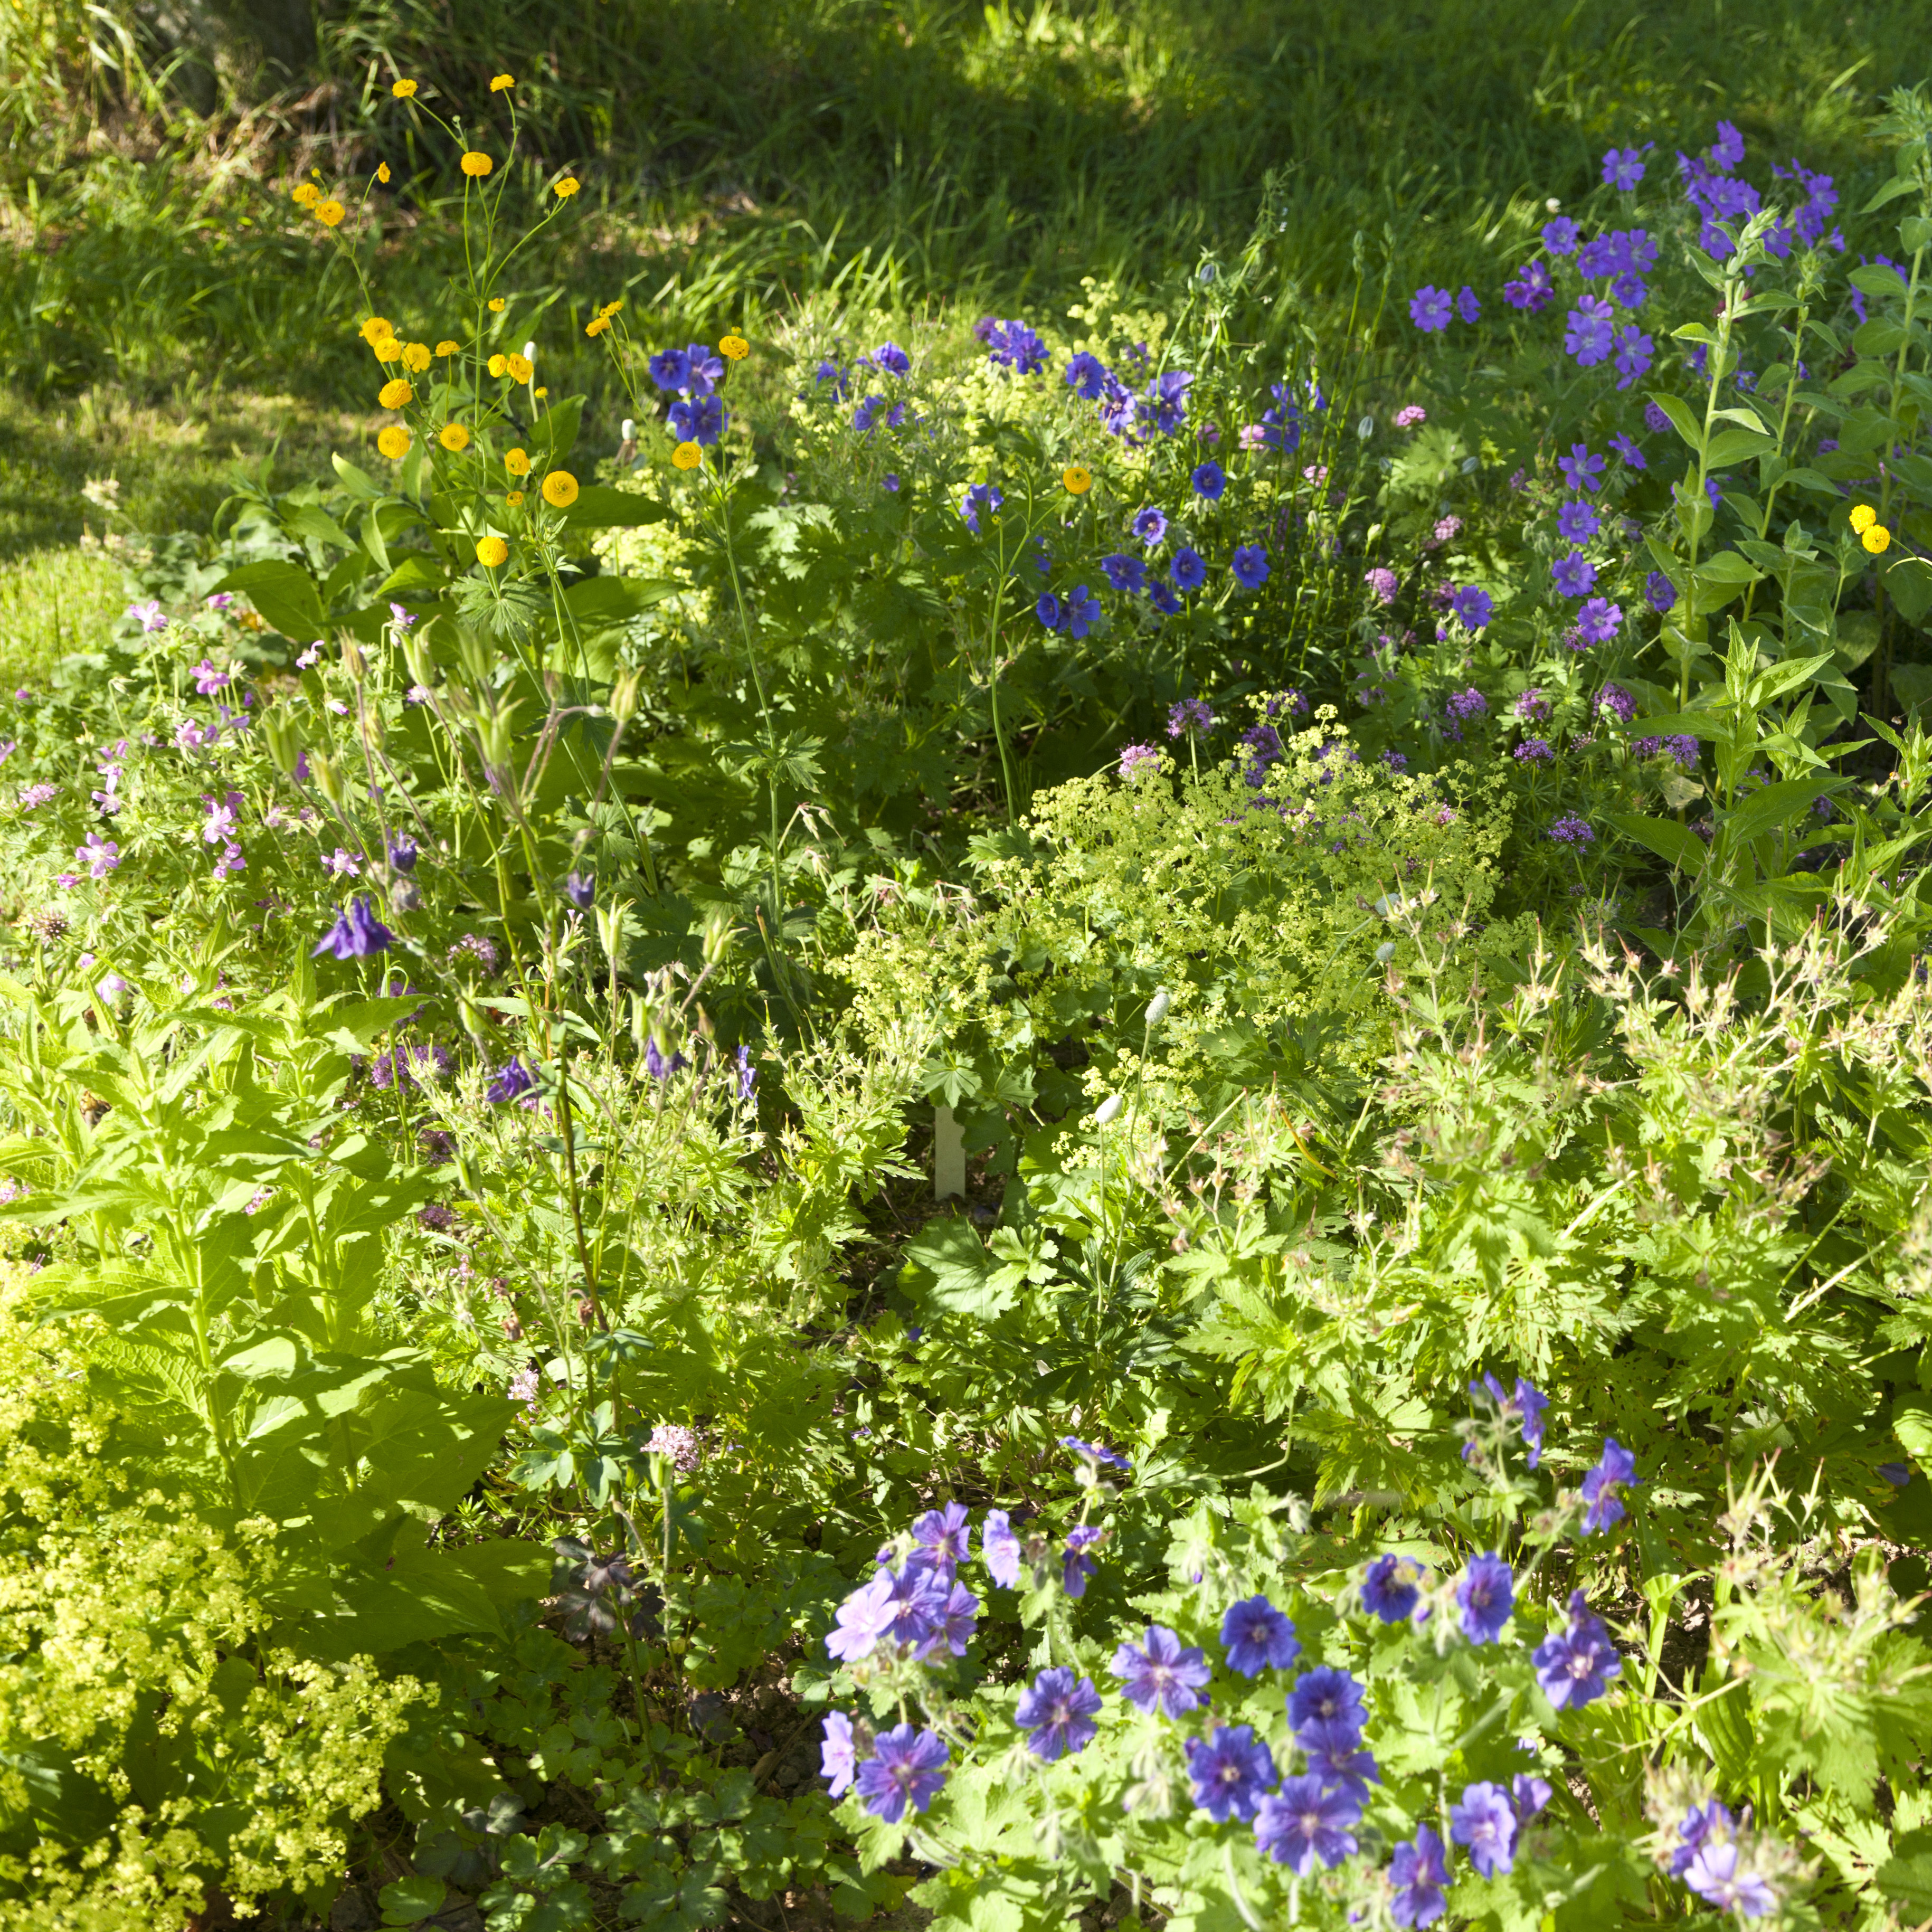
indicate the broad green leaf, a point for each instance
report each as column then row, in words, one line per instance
column 1665, row 837
column 1775, row 805
column 599, row 507
column 1736, row 445
column 611, row 600
column 284, row 593
column 948, row 1269
column 1686, row 424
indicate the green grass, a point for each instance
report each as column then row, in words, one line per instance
column 932, row 154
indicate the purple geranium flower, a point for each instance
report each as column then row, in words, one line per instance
column 1659, row 592
column 1574, row 1665
column 1485, row 1821
column 1257, row 1636
column 1076, row 1566
column 1325, row 1695
column 1581, row 470
column 1001, row 1548
column 1628, row 451
column 1530, row 288
column 1577, row 522
column 1574, row 575
column 944, row 1536
column 1334, row 1753
column 1306, row 1825
column 1473, row 607
column 1615, row 1468
column 1188, row 570
column 1486, row 1596
column 1158, row 1674
column 1467, row 306
column 511, row 1082
column 979, row 497
column 1251, row 565
column 1229, row 1771
column 1623, row 167
column 1126, row 574
column 1559, row 236
column 1599, row 621
column 837, row 1764
column 1417, row 1875
column 1209, row 480
column 1713, row 1875
column 1392, row 1588
column 1430, row 308
column 907, row 1767
column 1057, row 1712
column 1588, row 331
column 1150, row 525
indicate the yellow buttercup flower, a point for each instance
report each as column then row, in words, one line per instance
column 566, row 188
column 519, row 367
column 492, row 552
column 396, row 395
column 1863, row 516
column 540, row 392
column 388, row 348
column 597, row 324
column 502, row 81
column 612, row 307
column 446, row 347
column 382, row 172
column 306, row 194
column 687, row 456
column 393, row 443
column 559, row 489
column 516, row 462
column 734, row 348
column 496, row 304
column 499, row 363
column 415, row 357
column 403, row 90
column 376, row 328
column 1877, row 539
column 476, row 164
column 453, row 437
column 1077, row 478
column 514, row 500
column 330, row 214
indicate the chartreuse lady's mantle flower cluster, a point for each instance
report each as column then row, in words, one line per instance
column 1268, row 1725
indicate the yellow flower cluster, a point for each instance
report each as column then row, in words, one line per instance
column 1872, row 534
column 519, row 367
column 600, row 321
column 734, row 348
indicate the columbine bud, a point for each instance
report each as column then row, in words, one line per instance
column 417, row 655
column 352, row 660
column 624, row 695
column 717, row 937
column 323, row 768
column 284, row 746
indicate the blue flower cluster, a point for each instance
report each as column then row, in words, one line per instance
column 692, row 374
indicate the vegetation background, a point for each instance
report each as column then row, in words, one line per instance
column 159, row 314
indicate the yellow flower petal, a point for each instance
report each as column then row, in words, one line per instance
column 397, row 394
column 734, row 348
column 330, row 214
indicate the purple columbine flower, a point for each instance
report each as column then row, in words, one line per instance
column 1326, row 1696
column 1125, row 573
column 907, row 1767
column 1486, row 1596
column 1614, row 1468
column 1257, row 1636
column 837, row 1762
column 402, row 855
column 1575, row 1665
column 1250, row 565
column 511, row 1083
column 1392, row 1588
column 1485, row 1821
column 1430, row 308
column 1158, row 1674
column 1001, row 1548
column 357, row 934
column 1417, row 1876
column 1229, row 1771
column 1574, row 575
column 1306, row 1825
column 1057, row 1712
column 1578, row 522
column 580, row 888
column 1076, row 1566
column 1473, row 607
column 1188, row 570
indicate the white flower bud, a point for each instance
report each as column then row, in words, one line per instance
column 529, row 351
column 1157, row 1008
column 1104, row 1113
